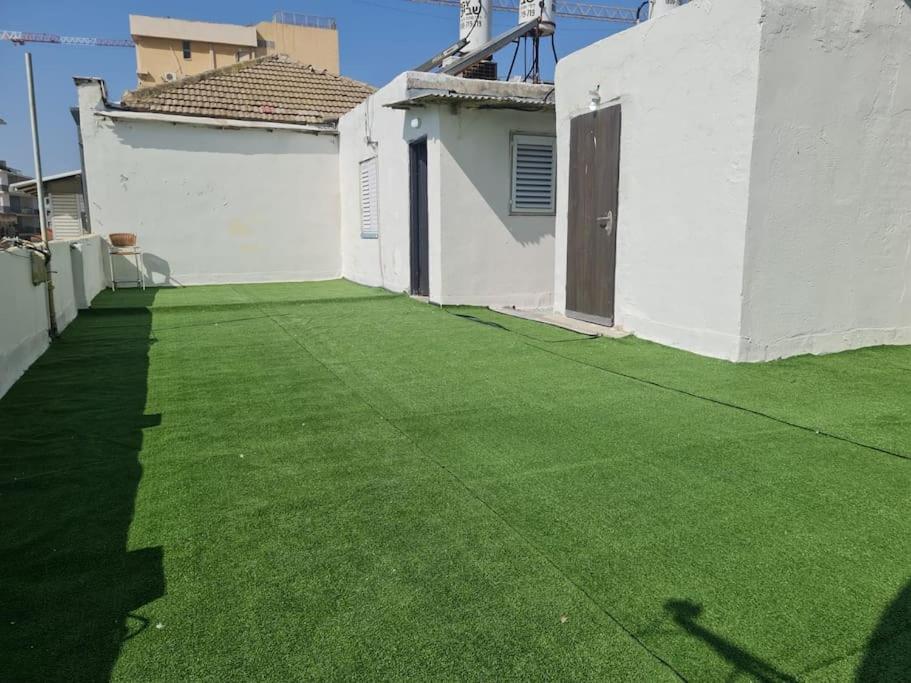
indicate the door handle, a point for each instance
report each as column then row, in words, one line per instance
column 606, row 222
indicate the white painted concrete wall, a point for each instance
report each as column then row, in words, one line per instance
column 78, row 275
column 479, row 254
column 487, row 255
column 687, row 82
column 212, row 205
column 65, row 308
column 828, row 257
column 369, row 130
column 23, row 317
column 88, row 256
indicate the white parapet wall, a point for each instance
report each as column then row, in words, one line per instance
column 765, row 170
column 78, row 275
column 23, row 317
column 235, row 203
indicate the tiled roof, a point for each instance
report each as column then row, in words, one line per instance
column 273, row 88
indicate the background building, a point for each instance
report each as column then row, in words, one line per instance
column 169, row 49
column 18, row 210
column 64, row 201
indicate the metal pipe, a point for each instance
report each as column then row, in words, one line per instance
column 39, row 184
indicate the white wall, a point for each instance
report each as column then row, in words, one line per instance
column 687, row 84
column 828, row 259
column 61, row 264
column 487, row 255
column 214, row 205
column 88, row 255
column 369, row 130
column 479, row 254
column 23, row 317
column 78, row 274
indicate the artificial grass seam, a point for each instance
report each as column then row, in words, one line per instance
column 867, row 647
column 691, row 394
column 486, row 505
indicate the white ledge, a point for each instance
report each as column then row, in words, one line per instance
column 208, row 122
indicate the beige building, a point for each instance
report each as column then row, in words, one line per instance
column 170, row 49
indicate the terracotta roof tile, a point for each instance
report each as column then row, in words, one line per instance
column 273, row 88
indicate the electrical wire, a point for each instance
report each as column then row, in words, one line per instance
column 513, row 62
column 553, row 47
column 639, row 10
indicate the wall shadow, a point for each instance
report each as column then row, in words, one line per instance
column 70, row 439
column 686, row 615
column 488, row 170
column 888, row 652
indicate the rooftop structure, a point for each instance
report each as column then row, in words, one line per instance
column 274, row 88
column 171, row 49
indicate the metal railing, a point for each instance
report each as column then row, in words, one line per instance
column 298, row 19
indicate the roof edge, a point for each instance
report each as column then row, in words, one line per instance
column 115, row 113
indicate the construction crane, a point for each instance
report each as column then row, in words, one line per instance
column 564, row 8
column 22, row 37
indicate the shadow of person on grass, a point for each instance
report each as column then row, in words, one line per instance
column 72, row 430
column 888, row 652
column 686, row 613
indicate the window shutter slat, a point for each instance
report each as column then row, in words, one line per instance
column 369, row 198
column 533, row 174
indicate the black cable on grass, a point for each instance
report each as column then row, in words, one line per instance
column 491, row 323
column 709, row 399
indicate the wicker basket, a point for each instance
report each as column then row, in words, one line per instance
column 122, row 239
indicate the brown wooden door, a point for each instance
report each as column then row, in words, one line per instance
column 591, row 256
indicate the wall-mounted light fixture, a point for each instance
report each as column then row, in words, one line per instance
column 416, row 122
column 595, row 98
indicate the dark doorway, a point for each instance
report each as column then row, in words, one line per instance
column 420, row 250
column 591, row 255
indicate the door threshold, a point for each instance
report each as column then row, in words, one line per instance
column 549, row 317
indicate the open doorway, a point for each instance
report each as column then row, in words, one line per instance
column 420, row 250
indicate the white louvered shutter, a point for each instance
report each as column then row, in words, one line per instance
column 533, row 174
column 370, row 215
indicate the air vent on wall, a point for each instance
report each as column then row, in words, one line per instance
column 533, row 174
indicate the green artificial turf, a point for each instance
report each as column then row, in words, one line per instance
column 326, row 481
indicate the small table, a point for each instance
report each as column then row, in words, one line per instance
column 136, row 253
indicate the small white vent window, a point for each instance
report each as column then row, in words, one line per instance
column 533, row 174
column 370, row 215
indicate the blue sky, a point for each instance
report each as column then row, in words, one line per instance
column 379, row 39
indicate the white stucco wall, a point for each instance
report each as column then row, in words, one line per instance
column 88, row 255
column 372, row 129
column 78, row 276
column 687, row 84
column 65, row 308
column 828, row 257
column 487, row 255
column 23, row 317
column 214, row 205
column 479, row 254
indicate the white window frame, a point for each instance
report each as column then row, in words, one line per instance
column 371, row 230
column 516, row 139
